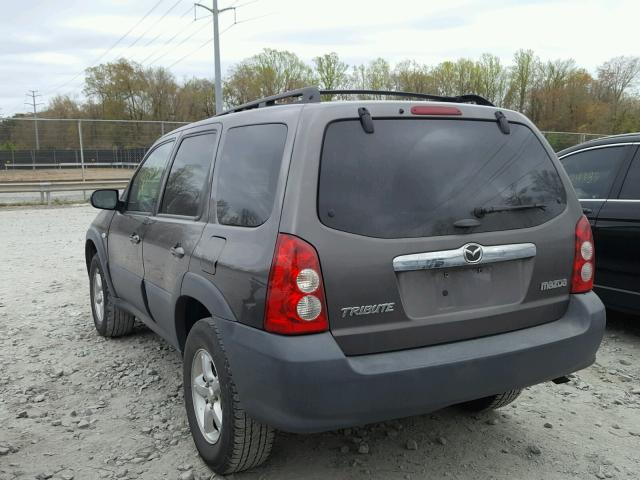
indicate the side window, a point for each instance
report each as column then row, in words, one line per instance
column 145, row 186
column 593, row 171
column 631, row 186
column 188, row 175
column 247, row 174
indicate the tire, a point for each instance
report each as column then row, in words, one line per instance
column 241, row 443
column 109, row 320
column 492, row 402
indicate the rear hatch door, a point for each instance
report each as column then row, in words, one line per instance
column 435, row 230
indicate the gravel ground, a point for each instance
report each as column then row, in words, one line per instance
column 75, row 405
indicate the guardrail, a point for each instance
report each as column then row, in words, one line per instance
column 45, row 188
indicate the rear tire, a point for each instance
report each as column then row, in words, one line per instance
column 109, row 320
column 492, row 402
column 211, row 400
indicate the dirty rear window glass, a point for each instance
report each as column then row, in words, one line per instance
column 416, row 177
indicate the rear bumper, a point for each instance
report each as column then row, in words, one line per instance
column 306, row 384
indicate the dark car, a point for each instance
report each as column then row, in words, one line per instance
column 329, row 264
column 606, row 176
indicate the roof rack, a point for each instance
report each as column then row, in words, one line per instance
column 313, row 95
column 469, row 98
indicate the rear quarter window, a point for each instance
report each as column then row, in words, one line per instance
column 247, row 174
column 416, row 177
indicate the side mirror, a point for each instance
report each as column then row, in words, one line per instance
column 106, row 199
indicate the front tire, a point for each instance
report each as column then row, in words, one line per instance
column 109, row 320
column 226, row 437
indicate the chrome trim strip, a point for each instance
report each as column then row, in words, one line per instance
column 455, row 258
column 622, row 200
column 621, row 290
column 608, row 145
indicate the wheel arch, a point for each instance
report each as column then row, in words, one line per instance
column 199, row 298
column 95, row 245
column 90, row 250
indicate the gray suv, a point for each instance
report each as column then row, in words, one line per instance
column 326, row 264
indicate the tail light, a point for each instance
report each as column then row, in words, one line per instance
column 434, row 110
column 584, row 258
column 295, row 295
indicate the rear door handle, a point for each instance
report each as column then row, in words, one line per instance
column 134, row 238
column 177, row 251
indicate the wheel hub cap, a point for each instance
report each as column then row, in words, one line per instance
column 98, row 295
column 205, row 389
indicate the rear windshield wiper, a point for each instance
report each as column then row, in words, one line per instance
column 482, row 211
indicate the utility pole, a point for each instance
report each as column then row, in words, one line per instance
column 33, row 94
column 216, row 51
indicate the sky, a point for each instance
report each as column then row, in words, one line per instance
column 47, row 44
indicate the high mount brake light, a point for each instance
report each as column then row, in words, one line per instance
column 434, row 110
column 295, row 294
column 584, row 258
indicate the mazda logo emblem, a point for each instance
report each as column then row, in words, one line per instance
column 472, row 253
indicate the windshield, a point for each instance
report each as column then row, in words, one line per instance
column 417, row 177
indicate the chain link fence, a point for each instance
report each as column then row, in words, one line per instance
column 27, row 143
column 561, row 140
column 71, row 143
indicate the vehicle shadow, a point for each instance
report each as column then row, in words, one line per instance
column 618, row 322
column 449, row 443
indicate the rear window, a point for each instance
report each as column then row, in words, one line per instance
column 416, row 177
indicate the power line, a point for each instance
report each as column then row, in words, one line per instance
column 202, row 27
column 153, row 25
column 115, row 44
column 167, row 42
column 208, row 41
column 157, row 36
column 211, row 39
column 191, row 35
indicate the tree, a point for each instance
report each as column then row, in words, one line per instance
column 492, row 79
column 119, row 88
column 374, row 76
column 409, row 76
column 614, row 79
column 195, row 100
column 331, row 71
column 557, row 95
column 521, row 78
column 445, row 75
column 161, row 89
column 265, row 74
column 616, row 75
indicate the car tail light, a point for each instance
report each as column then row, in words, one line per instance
column 584, row 258
column 434, row 110
column 295, row 294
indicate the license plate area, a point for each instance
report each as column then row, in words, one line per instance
column 441, row 291
column 462, row 287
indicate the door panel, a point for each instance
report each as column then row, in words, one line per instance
column 128, row 228
column 165, row 268
column 618, row 236
column 125, row 257
column 174, row 232
column 617, row 253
